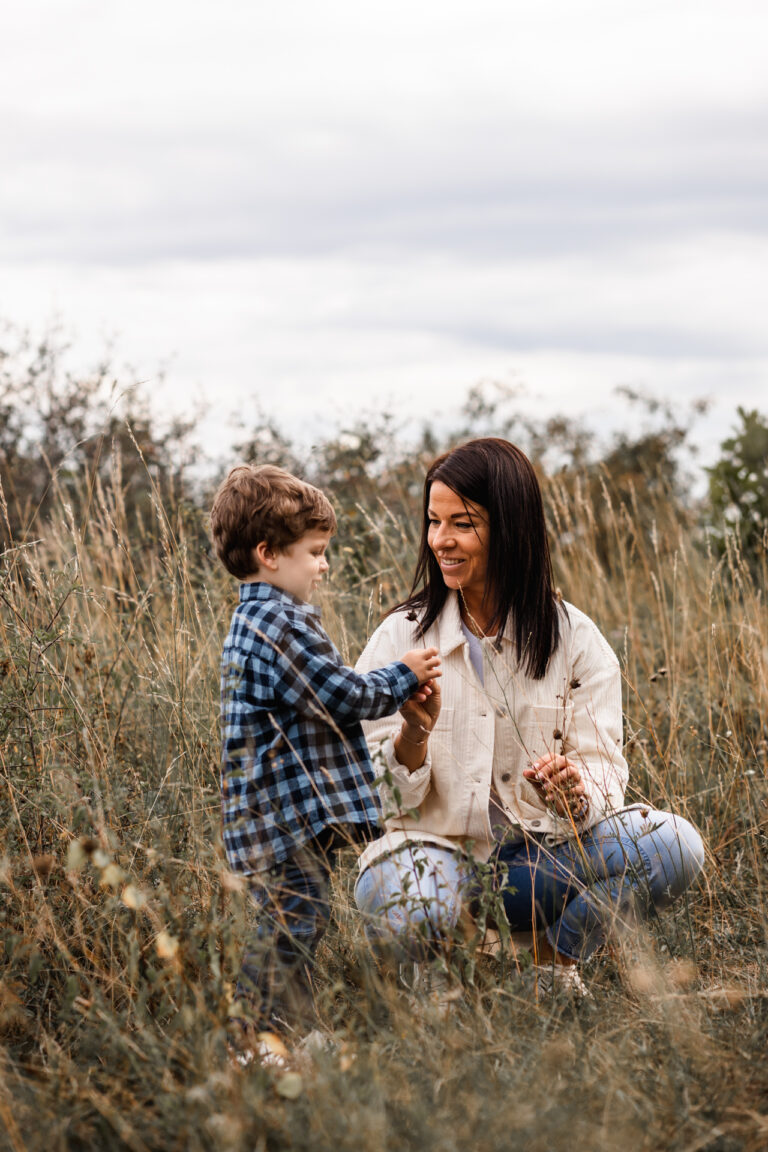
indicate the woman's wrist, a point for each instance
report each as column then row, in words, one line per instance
column 410, row 747
column 417, row 737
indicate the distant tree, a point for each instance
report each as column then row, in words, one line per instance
column 63, row 436
column 265, row 443
column 637, row 480
column 738, row 485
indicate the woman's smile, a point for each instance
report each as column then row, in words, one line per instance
column 456, row 524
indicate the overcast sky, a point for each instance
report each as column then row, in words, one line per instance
column 311, row 205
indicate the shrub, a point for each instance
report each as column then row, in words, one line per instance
column 738, row 486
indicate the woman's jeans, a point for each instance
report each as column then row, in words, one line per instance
column 579, row 892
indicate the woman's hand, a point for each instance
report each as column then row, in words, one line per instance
column 421, row 710
column 558, row 782
column 419, row 713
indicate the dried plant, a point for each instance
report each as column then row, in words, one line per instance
column 121, row 927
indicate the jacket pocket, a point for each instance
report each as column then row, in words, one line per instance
column 546, row 728
column 442, row 734
column 446, row 758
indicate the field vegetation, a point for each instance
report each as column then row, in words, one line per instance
column 120, row 925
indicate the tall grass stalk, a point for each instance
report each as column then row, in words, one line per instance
column 121, row 927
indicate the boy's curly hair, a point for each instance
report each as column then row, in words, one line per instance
column 263, row 502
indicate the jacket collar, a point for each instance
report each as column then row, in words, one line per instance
column 451, row 632
column 262, row 590
column 449, row 623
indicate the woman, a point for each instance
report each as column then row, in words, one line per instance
column 515, row 758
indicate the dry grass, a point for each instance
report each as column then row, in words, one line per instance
column 121, row 927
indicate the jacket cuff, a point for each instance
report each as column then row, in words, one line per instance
column 601, row 800
column 401, row 776
column 403, row 680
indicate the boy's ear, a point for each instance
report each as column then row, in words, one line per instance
column 264, row 556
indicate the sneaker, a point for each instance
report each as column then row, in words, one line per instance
column 271, row 1051
column 553, row 980
column 268, row 1050
column 432, row 981
column 316, row 1042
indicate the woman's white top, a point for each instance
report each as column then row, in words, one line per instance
column 492, row 727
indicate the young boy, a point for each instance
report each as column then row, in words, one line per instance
column 296, row 777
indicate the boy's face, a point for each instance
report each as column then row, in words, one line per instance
column 300, row 568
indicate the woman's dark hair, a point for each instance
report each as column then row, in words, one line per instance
column 519, row 584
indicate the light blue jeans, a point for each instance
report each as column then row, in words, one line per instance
column 624, row 868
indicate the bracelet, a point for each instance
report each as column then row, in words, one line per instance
column 416, row 743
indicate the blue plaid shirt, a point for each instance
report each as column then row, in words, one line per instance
column 294, row 758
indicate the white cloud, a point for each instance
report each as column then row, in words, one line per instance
column 312, row 201
column 305, row 338
column 164, row 130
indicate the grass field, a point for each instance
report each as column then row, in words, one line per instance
column 121, row 927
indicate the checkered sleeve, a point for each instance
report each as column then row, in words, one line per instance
column 309, row 675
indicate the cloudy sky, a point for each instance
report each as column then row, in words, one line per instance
column 307, row 206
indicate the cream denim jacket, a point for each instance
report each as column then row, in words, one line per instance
column 486, row 735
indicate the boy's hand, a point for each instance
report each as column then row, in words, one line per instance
column 425, row 662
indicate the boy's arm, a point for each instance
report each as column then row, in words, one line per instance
column 310, row 677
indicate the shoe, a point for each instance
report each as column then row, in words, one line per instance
column 553, row 980
column 269, row 1051
column 432, row 981
column 317, row 1042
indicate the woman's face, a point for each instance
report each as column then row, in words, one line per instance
column 457, row 533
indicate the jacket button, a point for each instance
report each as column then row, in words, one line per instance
column 506, row 776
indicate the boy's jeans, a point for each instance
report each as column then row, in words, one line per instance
column 625, row 867
column 294, row 912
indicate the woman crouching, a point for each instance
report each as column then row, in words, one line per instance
column 517, row 755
